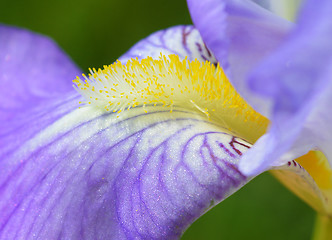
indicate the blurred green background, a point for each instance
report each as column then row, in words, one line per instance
column 97, row 32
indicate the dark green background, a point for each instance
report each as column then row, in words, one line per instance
column 97, row 32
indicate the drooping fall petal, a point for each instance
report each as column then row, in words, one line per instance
column 91, row 175
column 70, row 173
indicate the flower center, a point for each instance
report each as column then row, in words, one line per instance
column 171, row 83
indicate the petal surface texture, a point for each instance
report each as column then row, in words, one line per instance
column 90, row 175
column 33, row 68
column 70, row 173
column 240, row 34
column 297, row 80
column 184, row 41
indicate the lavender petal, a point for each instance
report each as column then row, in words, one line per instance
column 240, row 34
column 296, row 79
column 90, row 175
column 33, row 69
column 184, row 41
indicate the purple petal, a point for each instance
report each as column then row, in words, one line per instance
column 240, row 34
column 30, row 123
column 297, row 80
column 33, row 68
column 184, row 41
column 90, row 175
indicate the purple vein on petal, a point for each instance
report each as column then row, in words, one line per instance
column 184, row 41
column 119, row 177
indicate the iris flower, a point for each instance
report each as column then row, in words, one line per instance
column 162, row 136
